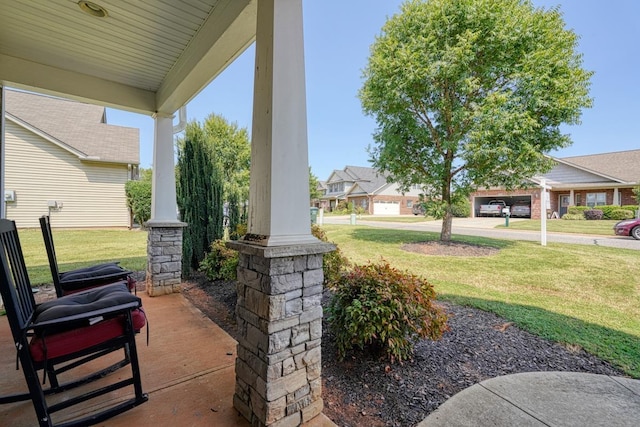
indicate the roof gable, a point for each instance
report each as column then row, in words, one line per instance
column 78, row 127
column 622, row 166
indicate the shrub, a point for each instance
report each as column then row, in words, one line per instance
column 334, row 263
column 577, row 210
column 220, row 263
column 379, row 307
column 461, row 208
column 573, row 217
column 593, row 214
column 139, row 200
column 620, row 214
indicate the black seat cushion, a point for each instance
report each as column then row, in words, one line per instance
column 95, row 271
column 84, row 302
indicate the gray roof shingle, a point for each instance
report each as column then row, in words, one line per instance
column 623, row 165
column 77, row 125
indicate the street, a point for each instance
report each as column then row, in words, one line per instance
column 484, row 227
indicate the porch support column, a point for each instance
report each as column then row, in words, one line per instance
column 616, row 197
column 280, row 275
column 572, row 198
column 279, row 185
column 164, row 242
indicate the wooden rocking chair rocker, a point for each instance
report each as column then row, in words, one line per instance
column 80, row 279
column 59, row 335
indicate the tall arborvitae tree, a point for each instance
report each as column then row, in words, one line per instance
column 199, row 191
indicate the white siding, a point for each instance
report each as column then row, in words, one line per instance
column 37, row 170
column 392, row 190
column 566, row 174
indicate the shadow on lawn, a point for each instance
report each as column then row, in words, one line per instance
column 387, row 235
column 618, row 348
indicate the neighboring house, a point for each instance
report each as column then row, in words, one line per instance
column 62, row 159
column 593, row 180
column 368, row 189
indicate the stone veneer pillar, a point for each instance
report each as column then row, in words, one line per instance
column 164, row 257
column 279, row 316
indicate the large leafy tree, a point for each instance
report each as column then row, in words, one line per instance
column 231, row 151
column 471, row 93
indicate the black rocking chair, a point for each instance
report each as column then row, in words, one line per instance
column 59, row 335
column 80, row 279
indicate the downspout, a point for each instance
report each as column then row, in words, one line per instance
column 182, row 120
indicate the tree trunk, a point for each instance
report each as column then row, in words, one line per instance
column 445, row 234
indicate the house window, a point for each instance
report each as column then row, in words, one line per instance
column 409, row 203
column 578, row 199
column 596, row 199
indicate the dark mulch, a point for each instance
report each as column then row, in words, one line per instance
column 367, row 390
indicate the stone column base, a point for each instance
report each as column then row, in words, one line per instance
column 279, row 315
column 164, row 257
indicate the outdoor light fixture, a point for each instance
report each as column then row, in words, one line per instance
column 93, row 9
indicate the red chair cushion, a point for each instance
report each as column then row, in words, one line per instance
column 75, row 340
column 59, row 340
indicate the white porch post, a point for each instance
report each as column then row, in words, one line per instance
column 616, row 197
column 164, row 243
column 279, row 189
column 163, row 202
column 280, row 276
column 572, row 198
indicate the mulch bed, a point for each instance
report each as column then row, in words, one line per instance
column 365, row 390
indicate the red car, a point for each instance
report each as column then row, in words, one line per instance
column 628, row 227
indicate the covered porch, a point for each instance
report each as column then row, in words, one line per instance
column 193, row 391
column 152, row 58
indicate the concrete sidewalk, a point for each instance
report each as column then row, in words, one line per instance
column 543, row 399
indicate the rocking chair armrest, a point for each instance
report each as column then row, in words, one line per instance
column 107, row 311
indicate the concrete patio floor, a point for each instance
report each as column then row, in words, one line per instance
column 187, row 370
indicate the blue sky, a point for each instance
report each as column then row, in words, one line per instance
column 338, row 35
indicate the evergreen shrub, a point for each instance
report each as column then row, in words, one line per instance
column 378, row 307
column 620, row 214
column 220, row 263
column 577, row 210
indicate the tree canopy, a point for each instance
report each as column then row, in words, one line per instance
column 471, row 93
column 314, row 182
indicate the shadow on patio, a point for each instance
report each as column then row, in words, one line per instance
column 187, row 370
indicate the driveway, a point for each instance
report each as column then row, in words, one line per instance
column 485, row 227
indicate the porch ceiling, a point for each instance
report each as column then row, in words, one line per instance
column 144, row 56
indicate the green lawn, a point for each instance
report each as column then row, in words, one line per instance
column 603, row 227
column 403, row 219
column 572, row 294
column 79, row 248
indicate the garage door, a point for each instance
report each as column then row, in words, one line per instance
column 386, row 208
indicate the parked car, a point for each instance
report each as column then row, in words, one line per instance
column 521, row 209
column 493, row 208
column 628, row 227
column 418, row 209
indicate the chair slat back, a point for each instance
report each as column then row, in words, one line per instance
column 45, row 226
column 15, row 286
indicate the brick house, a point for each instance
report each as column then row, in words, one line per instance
column 368, row 189
column 592, row 180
